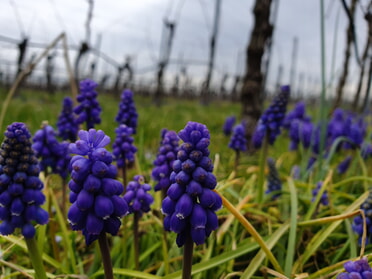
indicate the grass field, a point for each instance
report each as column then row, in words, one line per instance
column 303, row 238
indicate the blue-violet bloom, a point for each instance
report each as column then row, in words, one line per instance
column 20, row 187
column 137, row 196
column 123, row 147
column 238, row 141
column 191, row 203
column 127, row 110
column 228, row 125
column 88, row 110
column 66, row 124
column 95, row 193
column 163, row 164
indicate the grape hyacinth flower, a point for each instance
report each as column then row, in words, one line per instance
column 20, row 187
column 344, row 165
column 139, row 201
column 298, row 113
column 67, row 126
column 137, row 197
column 96, row 206
column 88, row 110
column 300, row 131
column 20, row 191
column 324, row 198
column 124, row 149
column 359, row 269
column 163, row 164
column 366, row 150
column 49, row 150
column 127, row 110
column 191, row 203
column 274, row 184
column 238, row 142
column 272, row 119
column 228, row 125
column 357, row 225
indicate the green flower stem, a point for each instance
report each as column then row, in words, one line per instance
column 136, row 239
column 262, row 164
column 237, row 159
column 124, row 175
column 106, row 258
column 188, row 250
column 35, row 257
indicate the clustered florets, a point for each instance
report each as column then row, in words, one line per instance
column 228, row 125
column 163, row 163
column 324, row 198
column 359, row 269
column 238, row 140
column 20, row 187
column 50, row 152
column 272, row 119
column 123, row 148
column 136, row 195
column 358, row 222
column 66, row 124
column 191, row 203
column 127, row 110
column 89, row 109
column 96, row 204
column 274, row 184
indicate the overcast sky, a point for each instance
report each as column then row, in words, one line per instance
column 134, row 27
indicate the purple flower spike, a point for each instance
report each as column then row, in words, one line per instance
column 163, row 163
column 238, row 141
column 50, row 152
column 96, row 205
column 344, row 165
column 274, row 184
column 272, row 119
column 190, row 203
column 67, row 126
column 356, row 269
column 88, row 110
column 123, row 148
column 20, row 186
column 324, row 198
column 357, row 225
column 127, row 110
column 137, row 197
column 228, row 125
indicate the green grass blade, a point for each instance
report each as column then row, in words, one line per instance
column 322, row 235
column 292, row 230
column 127, row 272
column 260, row 256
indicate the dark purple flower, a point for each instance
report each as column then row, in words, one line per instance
column 51, row 153
column 123, row 148
column 344, row 165
column 356, row 269
column 67, row 126
column 274, row 184
column 20, row 186
column 357, row 225
column 163, row 163
column 127, row 110
column 298, row 113
column 88, row 110
column 272, row 119
column 96, row 205
column 366, row 150
column 136, row 195
column 238, row 141
column 324, row 197
column 228, row 125
column 355, row 131
column 191, row 203
column 300, row 131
